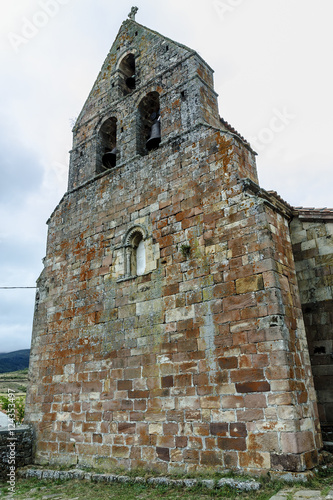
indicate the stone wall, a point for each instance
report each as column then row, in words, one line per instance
column 16, row 448
column 201, row 360
column 312, row 233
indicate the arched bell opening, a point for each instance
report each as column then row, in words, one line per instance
column 107, row 145
column 127, row 71
column 148, row 123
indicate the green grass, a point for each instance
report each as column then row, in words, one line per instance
column 86, row 490
column 36, row 489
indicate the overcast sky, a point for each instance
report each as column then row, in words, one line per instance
column 272, row 62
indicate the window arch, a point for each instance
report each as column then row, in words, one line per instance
column 127, row 74
column 148, row 123
column 106, row 145
column 135, row 251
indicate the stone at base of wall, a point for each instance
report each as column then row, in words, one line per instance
column 291, row 477
column 245, row 485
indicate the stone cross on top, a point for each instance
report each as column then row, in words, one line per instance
column 133, row 12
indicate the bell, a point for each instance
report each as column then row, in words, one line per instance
column 155, row 136
column 130, row 82
column 109, row 159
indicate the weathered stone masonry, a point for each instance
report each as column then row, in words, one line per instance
column 312, row 234
column 194, row 354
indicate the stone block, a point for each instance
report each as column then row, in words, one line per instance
column 232, row 443
column 267, row 441
column 297, row 442
column 219, row 429
column 120, row 451
column 249, row 284
column 253, row 387
column 163, row 453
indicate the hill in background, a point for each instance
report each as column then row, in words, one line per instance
column 13, row 361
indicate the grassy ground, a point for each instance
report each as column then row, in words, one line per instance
column 36, row 489
column 31, row 489
column 16, row 381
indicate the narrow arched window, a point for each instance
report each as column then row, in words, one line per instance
column 148, row 123
column 135, row 252
column 127, row 72
column 140, row 258
column 107, row 145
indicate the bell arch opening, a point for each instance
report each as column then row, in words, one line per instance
column 107, row 145
column 127, row 72
column 148, row 124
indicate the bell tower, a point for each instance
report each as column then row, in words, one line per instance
column 168, row 332
column 148, row 85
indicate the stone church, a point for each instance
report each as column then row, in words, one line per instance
column 173, row 310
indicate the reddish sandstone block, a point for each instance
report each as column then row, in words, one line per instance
column 167, row 381
column 192, row 415
column 255, row 401
column 219, row 429
column 210, row 402
column 163, row 453
column 260, row 360
column 136, row 416
column 297, row 442
column 225, row 443
column 238, row 429
column 247, row 375
column 255, row 460
column 250, row 415
column 94, row 386
column 302, row 397
column 232, row 401
column 126, row 427
column 279, row 372
column 223, row 290
column 191, row 456
column 263, row 442
column 66, row 447
column 286, row 398
column 194, row 442
column 165, row 441
column 97, row 438
column 201, row 379
column 94, row 417
column 89, row 426
column 210, row 458
column 181, row 441
column 183, row 380
column 140, row 404
column 253, row 387
column 227, row 363
column 124, row 385
column 230, row 459
column 201, row 429
column 239, row 302
column 138, row 394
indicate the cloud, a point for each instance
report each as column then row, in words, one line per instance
column 21, row 170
